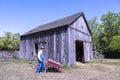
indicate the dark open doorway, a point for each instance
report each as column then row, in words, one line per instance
column 36, row 48
column 79, row 51
column 38, row 45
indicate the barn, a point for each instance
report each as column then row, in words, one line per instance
column 66, row 40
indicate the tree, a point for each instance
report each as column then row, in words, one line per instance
column 96, row 30
column 1, row 43
column 7, row 40
column 111, row 28
column 115, row 44
column 16, row 41
column 10, row 41
column 106, row 36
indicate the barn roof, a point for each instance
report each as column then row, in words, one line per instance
column 55, row 24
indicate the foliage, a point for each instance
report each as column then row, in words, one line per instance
column 106, row 36
column 96, row 30
column 115, row 44
column 111, row 26
column 10, row 41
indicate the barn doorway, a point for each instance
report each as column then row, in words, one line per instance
column 38, row 45
column 79, row 51
column 36, row 48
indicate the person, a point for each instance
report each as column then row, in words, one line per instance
column 41, row 65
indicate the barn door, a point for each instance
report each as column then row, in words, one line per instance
column 36, row 48
column 79, row 51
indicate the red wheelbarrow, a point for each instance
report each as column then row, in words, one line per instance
column 53, row 66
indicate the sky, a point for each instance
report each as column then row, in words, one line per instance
column 20, row 16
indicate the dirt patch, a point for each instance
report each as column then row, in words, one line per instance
column 99, row 70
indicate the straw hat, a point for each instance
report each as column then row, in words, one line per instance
column 42, row 47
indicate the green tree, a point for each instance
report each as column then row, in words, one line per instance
column 111, row 28
column 10, row 41
column 7, row 39
column 16, row 41
column 115, row 44
column 96, row 30
column 1, row 43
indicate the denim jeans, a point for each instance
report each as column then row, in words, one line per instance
column 40, row 67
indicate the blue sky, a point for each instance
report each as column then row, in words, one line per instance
column 24, row 15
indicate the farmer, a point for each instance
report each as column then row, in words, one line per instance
column 41, row 65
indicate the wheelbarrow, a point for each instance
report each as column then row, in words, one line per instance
column 53, row 66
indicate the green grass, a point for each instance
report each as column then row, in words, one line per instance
column 24, row 61
column 95, row 61
column 66, row 67
column 105, row 61
column 113, row 62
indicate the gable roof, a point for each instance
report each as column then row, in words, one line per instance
column 58, row 23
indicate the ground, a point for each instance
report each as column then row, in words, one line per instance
column 107, row 69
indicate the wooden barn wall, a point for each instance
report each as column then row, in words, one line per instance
column 60, row 43
column 79, row 31
column 55, row 47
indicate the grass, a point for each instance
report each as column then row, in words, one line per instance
column 21, row 69
column 70, row 66
column 105, row 61
column 24, row 61
column 95, row 61
column 113, row 62
column 105, row 65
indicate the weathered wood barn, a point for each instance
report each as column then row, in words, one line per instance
column 66, row 40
